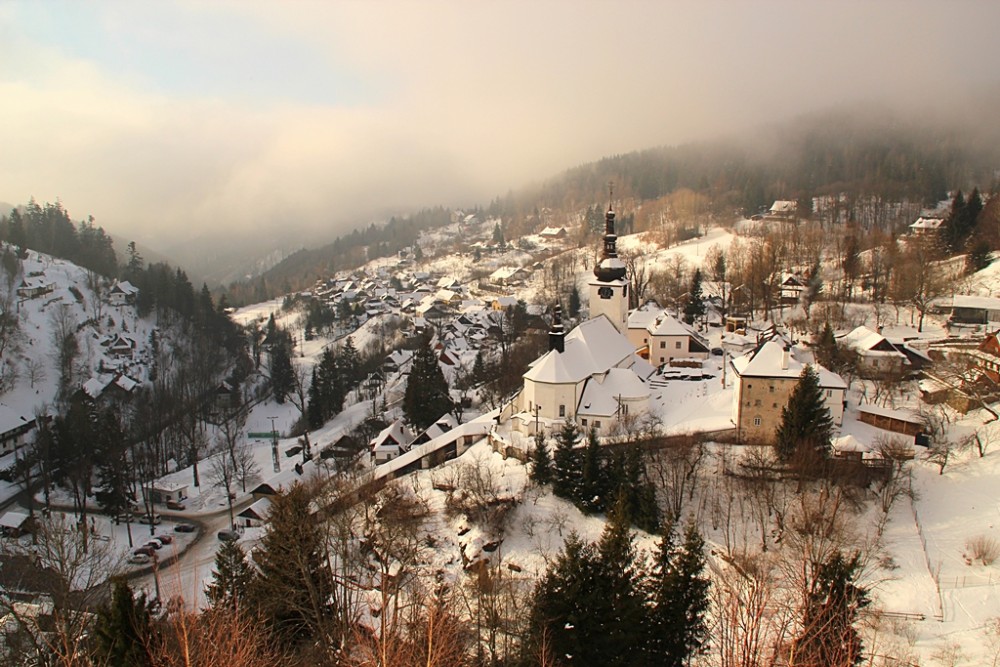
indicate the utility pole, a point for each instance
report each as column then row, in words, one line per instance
column 274, row 446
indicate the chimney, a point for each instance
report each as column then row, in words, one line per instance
column 784, row 358
column 557, row 334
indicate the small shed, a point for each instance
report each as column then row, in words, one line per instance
column 164, row 492
column 15, row 524
column 887, row 419
column 256, row 515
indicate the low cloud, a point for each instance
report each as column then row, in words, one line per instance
column 449, row 103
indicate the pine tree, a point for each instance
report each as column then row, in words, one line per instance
column 678, row 599
column 282, row 374
column 293, row 588
column 642, row 508
column 566, row 462
column 825, row 348
column 315, row 416
column 588, row 609
column 592, row 492
column 350, row 364
column 479, row 374
column 562, row 618
column 957, row 227
column 695, row 306
column 806, row 425
column 541, row 462
column 832, row 605
column 618, row 608
column 123, row 630
column 574, row 303
column 426, row 397
column 231, row 578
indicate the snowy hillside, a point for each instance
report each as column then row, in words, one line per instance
column 112, row 340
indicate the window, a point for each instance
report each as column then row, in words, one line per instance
column 562, row 410
column 663, row 344
column 829, row 393
column 583, row 422
column 756, row 403
column 756, row 421
column 749, row 386
column 771, row 388
column 677, row 345
column 597, row 423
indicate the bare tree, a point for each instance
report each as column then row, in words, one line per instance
column 71, row 572
column 223, row 473
column 674, row 469
column 62, row 328
column 638, row 274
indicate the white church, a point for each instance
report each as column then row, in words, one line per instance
column 592, row 375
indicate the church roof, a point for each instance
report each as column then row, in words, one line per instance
column 592, row 347
column 601, row 395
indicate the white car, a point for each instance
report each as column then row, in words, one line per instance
column 139, row 559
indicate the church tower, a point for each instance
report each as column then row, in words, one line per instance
column 609, row 288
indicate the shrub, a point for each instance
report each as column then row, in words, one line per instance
column 983, row 549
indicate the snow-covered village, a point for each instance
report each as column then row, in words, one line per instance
column 713, row 381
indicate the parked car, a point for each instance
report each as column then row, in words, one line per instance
column 145, row 550
column 155, row 544
column 144, row 518
column 184, row 528
column 175, row 505
column 138, row 558
column 164, row 539
column 228, row 535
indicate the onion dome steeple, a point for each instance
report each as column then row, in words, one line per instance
column 610, row 268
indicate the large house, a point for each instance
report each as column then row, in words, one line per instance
column 661, row 337
column 765, row 379
column 877, row 357
column 14, row 427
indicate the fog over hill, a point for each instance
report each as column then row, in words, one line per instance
column 193, row 126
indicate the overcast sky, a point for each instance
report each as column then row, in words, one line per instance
column 164, row 117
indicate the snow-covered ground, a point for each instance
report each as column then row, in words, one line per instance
column 922, row 570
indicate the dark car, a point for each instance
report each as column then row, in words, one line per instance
column 184, row 528
column 718, row 351
column 164, row 539
column 155, row 544
column 175, row 505
column 228, row 535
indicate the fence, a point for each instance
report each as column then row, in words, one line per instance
column 935, row 572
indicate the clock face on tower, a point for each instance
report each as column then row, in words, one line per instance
column 605, row 292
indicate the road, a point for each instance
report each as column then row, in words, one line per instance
column 179, row 572
column 183, row 574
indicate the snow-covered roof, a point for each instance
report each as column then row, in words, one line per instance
column 592, row 347
column 10, row 420
column 783, row 206
column 926, row 223
column 668, row 325
column 864, row 340
column 640, row 318
column 771, row 360
column 902, row 415
column 967, row 301
column 395, row 432
column 601, row 395
column 258, row 510
column 13, row 519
